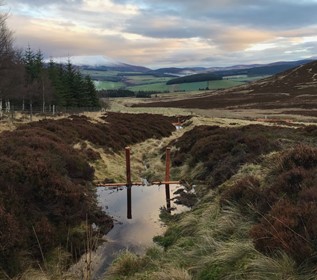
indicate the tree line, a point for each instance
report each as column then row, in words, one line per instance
column 28, row 81
column 121, row 92
column 202, row 77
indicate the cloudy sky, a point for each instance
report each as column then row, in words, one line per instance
column 159, row 33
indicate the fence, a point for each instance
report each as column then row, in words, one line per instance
column 10, row 111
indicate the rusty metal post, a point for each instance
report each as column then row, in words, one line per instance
column 167, row 178
column 129, row 183
column 128, row 166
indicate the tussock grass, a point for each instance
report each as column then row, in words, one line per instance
column 126, row 265
column 172, row 274
column 279, row 267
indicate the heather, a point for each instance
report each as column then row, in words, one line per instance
column 47, row 196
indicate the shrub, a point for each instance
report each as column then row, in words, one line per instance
column 284, row 228
column 243, row 192
column 289, row 215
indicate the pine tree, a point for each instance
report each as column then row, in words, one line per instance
column 91, row 92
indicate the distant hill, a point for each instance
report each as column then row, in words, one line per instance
column 267, row 69
column 248, row 70
column 104, row 63
column 177, row 72
column 294, row 88
column 101, row 63
column 121, row 67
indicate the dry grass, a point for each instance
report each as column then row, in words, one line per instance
column 172, row 274
column 127, row 264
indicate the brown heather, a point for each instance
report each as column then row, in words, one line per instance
column 46, row 188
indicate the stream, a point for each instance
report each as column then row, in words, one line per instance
column 136, row 232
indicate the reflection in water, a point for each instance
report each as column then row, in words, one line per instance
column 168, row 198
column 130, row 233
column 129, row 202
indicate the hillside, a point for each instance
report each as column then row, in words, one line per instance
column 299, row 80
column 295, row 88
column 261, row 69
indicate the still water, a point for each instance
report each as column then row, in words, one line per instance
column 133, row 233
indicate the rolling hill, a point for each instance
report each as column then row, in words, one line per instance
column 295, row 88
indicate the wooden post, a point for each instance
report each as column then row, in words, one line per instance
column 167, row 178
column 129, row 183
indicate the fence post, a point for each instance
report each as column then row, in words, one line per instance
column 129, row 183
column 167, row 178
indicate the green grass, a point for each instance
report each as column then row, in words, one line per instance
column 158, row 87
column 108, row 85
column 146, row 79
column 100, row 73
column 135, row 81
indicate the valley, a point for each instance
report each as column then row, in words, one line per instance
column 158, row 140
column 247, row 152
column 164, row 80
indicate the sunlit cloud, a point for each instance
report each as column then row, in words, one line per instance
column 168, row 32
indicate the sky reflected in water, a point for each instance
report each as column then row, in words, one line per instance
column 137, row 233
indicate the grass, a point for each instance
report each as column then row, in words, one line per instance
column 137, row 82
column 142, row 79
column 210, row 243
column 196, row 245
column 157, row 87
column 108, row 85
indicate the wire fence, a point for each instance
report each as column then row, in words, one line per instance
column 50, row 110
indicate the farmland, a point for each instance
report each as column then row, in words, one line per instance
column 136, row 81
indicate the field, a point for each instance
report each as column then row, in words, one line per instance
column 108, row 85
column 136, row 81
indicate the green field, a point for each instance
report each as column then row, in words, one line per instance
column 134, row 81
column 100, row 85
column 146, row 79
column 157, row 87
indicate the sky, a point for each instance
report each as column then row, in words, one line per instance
column 167, row 33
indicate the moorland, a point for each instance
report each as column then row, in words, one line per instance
column 246, row 157
column 254, row 180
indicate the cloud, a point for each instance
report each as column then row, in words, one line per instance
column 177, row 32
column 36, row 3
